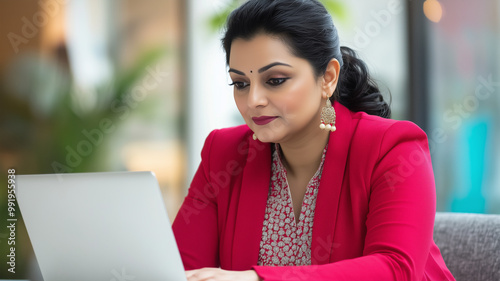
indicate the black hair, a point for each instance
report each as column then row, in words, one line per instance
column 306, row 27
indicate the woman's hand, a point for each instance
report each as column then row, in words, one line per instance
column 217, row 274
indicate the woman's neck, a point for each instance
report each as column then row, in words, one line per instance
column 302, row 156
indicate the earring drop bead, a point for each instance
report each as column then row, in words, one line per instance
column 328, row 117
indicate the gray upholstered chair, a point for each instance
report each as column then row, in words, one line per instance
column 470, row 245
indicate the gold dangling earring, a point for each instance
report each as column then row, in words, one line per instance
column 254, row 136
column 328, row 117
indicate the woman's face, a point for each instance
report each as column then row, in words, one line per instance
column 275, row 91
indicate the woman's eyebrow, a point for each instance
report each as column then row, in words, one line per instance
column 261, row 69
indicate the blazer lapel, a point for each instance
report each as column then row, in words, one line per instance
column 255, row 188
column 328, row 196
column 251, row 205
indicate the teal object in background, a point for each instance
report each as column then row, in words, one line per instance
column 471, row 160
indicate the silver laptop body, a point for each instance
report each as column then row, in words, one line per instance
column 99, row 226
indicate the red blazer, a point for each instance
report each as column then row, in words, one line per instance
column 374, row 213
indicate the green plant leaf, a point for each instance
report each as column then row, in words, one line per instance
column 126, row 80
column 217, row 21
column 336, row 8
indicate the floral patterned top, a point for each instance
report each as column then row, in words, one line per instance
column 284, row 241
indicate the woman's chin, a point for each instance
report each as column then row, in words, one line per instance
column 266, row 136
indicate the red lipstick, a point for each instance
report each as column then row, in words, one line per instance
column 263, row 120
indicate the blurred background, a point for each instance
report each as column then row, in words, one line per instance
column 115, row 85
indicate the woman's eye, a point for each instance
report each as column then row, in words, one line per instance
column 272, row 82
column 239, row 85
column 276, row 81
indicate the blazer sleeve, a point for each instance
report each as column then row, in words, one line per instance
column 195, row 226
column 400, row 219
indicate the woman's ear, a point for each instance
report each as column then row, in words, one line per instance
column 330, row 78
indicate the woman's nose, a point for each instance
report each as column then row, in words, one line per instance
column 256, row 96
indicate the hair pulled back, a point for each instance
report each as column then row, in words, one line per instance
column 306, row 27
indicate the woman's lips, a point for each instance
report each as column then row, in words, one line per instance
column 263, row 120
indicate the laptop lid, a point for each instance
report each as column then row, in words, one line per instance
column 99, row 226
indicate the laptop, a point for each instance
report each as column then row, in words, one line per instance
column 99, row 226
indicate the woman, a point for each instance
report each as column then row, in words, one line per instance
column 304, row 190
